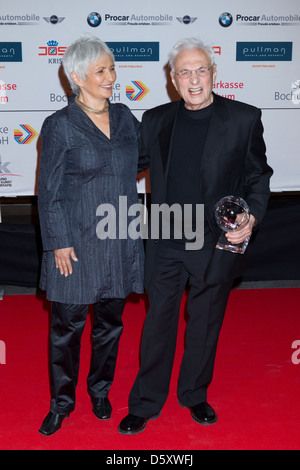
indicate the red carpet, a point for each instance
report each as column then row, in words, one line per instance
column 255, row 390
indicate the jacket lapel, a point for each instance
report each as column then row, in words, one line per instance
column 214, row 142
column 166, row 135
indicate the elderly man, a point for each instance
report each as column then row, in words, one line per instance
column 199, row 150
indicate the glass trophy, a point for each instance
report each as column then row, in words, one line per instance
column 231, row 213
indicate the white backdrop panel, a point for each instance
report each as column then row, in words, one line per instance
column 257, row 57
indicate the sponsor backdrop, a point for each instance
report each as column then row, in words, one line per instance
column 256, row 44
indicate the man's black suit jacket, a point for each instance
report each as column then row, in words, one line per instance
column 233, row 163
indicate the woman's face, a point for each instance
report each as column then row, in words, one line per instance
column 100, row 79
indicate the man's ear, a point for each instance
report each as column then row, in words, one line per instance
column 214, row 73
column 173, row 80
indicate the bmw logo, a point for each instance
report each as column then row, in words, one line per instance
column 94, row 19
column 225, row 20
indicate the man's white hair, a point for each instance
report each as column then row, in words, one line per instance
column 189, row 43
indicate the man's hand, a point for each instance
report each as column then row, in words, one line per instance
column 240, row 234
column 63, row 258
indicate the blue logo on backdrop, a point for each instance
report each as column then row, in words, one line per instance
column 225, row 19
column 10, row 52
column 135, row 51
column 94, row 19
column 264, row 51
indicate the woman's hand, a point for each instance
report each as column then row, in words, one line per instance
column 63, row 258
column 240, row 234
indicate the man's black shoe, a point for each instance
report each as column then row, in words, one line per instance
column 203, row 413
column 51, row 423
column 132, row 424
column 102, row 408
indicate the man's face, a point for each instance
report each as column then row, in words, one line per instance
column 194, row 88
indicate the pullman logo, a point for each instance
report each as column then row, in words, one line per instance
column 135, row 51
column 264, row 51
column 10, row 52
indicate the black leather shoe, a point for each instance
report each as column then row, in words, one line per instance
column 132, row 424
column 203, row 413
column 102, row 408
column 52, row 423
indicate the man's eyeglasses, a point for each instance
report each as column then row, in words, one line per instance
column 201, row 72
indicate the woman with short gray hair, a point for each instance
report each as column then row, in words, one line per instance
column 88, row 160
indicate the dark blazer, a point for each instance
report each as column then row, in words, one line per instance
column 233, row 163
column 81, row 169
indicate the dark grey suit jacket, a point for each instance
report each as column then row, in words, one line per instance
column 233, row 163
column 80, row 170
